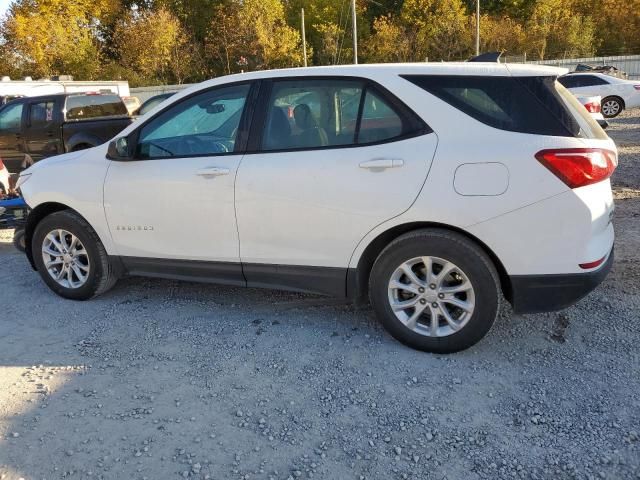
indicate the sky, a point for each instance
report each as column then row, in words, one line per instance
column 4, row 5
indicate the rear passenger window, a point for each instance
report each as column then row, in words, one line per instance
column 41, row 113
column 312, row 114
column 379, row 122
column 591, row 80
column 569, row 81
column 319, row 113
column 517, row 104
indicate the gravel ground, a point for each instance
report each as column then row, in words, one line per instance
column 159, row 379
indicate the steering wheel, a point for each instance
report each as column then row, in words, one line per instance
column 194, row 145
column 221, row 146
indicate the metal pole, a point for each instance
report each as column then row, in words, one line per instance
column 355, row 32
column 477, row 27
column 304, row 41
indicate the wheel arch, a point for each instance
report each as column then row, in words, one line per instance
column 82, row 138
column 358, row 278
column 35, row 217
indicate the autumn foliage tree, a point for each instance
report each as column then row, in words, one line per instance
column 176, row 41
column 155, row 45
column 50, row 36
column 266, row 41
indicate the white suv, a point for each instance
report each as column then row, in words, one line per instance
column 430, row 188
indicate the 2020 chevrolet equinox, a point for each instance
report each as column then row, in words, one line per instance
column 431, row 189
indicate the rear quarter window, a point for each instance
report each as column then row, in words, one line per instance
column 79, row 107
column 517, row 104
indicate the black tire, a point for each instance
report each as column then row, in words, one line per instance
column 18, row 240
column 613, row 106
column 101, row 275
column 455, row 248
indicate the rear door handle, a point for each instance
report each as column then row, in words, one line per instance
column 382, row 163
column 212, row 171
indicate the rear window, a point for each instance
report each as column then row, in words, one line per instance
column 589, row 128
column 517, row 104
column 92, row 106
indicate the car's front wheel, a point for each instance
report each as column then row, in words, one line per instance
column 70, row 257
column 435, row 290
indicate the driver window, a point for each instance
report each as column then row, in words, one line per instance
column 206, row 124
column 11, row 117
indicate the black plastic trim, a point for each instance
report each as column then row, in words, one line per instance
column 300, row 278
column 547, row 293
column 228, row 273
column 330, row 281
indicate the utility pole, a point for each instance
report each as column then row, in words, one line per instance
column 477, row 27
column 355, row 32
column 304, row 41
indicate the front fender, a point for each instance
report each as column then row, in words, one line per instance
column 74, row 181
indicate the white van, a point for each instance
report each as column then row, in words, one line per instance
column 10, row 89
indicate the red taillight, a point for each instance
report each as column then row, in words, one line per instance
column 1, row 163
column 587, row 266
column 578, row 167
column 592, row 107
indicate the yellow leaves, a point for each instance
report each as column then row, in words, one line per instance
column 52, row 36
column 147, row 42
column 500, row 33
column 425, row 28
column 255, row 30
column 557, row 29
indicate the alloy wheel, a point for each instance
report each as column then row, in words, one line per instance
column 431, row 296
column 610, row 108
column 65, row 258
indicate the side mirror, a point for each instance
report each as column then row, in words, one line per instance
column 120, row 149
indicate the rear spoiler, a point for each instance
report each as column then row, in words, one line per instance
column 487, row 57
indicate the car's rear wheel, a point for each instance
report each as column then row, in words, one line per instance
column 70, row 257
column 611, row 107
column 435, row 290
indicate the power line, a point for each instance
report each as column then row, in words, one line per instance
column 336, row 55
column 344, row 32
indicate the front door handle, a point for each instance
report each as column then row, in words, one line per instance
column 212, row 172
column 382, row 163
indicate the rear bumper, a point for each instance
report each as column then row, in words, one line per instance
column 547, row 293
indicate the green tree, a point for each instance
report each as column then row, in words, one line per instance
column 254, row 30
column 425, row 29
column 618, row 22
column 49, row 37
column 556, row 30
column 389, row 41
column 154, row 44
column 498, row 33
